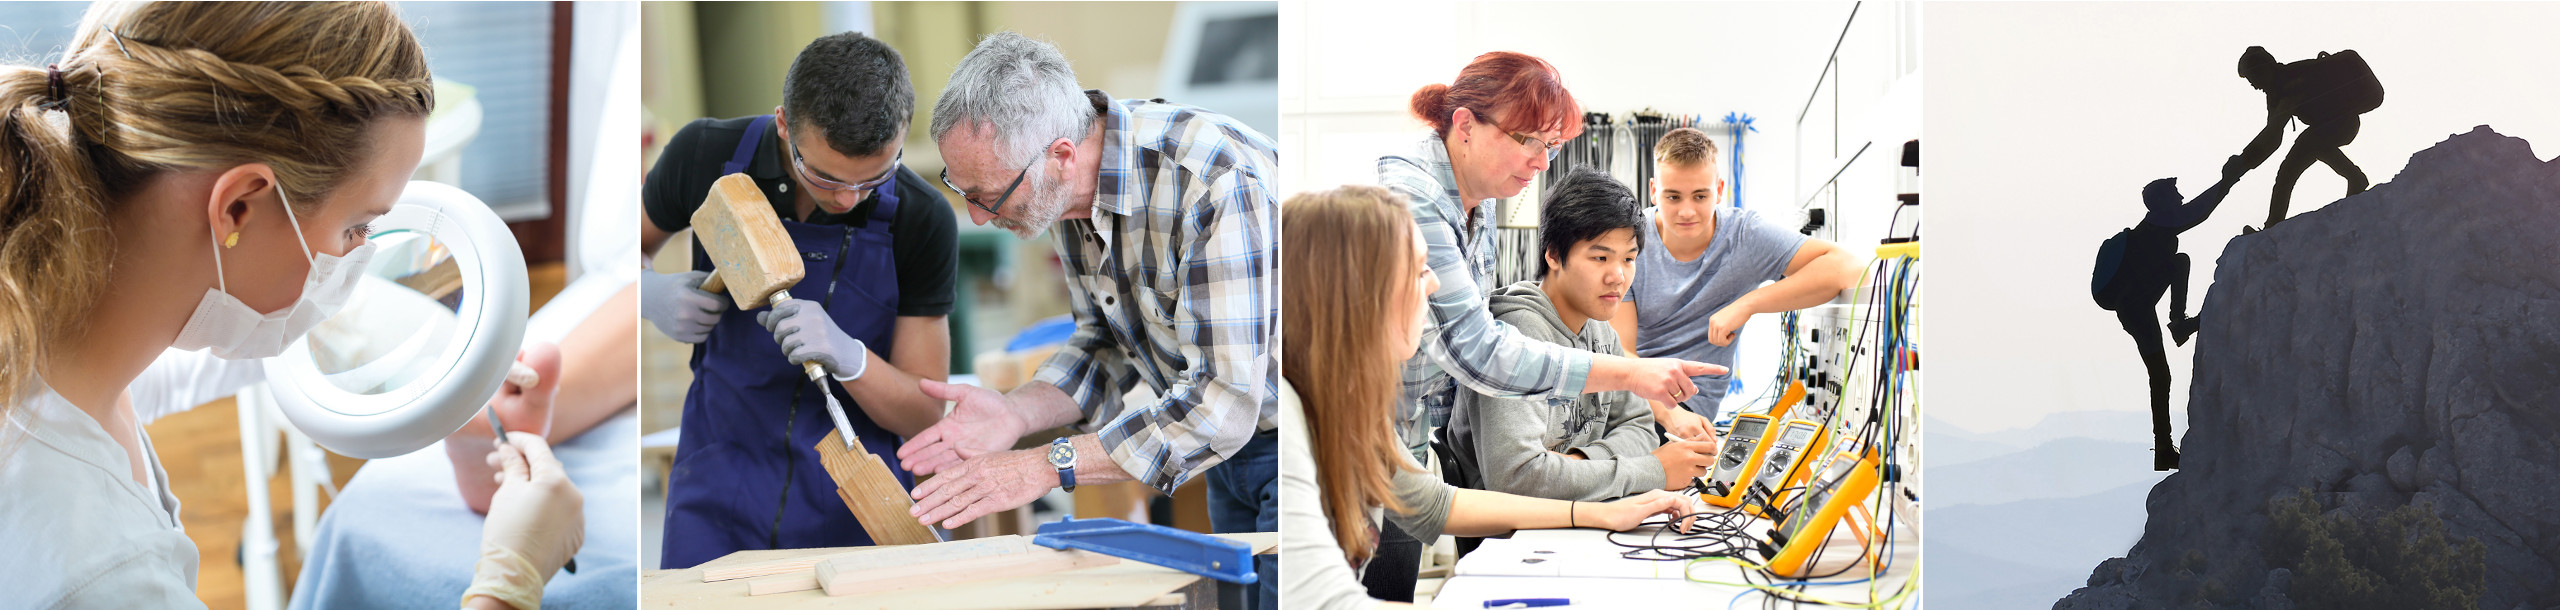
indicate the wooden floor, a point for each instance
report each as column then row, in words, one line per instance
column 201, row 450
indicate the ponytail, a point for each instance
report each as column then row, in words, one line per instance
column 54, row 242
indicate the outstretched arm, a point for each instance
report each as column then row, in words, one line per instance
column 2269, row 138
column 2195, row 211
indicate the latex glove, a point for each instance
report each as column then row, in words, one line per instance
column 536, row 523
column 1625, row 514
column 808, row 335
column 678, row 305
column 521, row 408
column 984, row 485
column 983, row 421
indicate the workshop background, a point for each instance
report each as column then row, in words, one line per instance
column 1825, row 95
column 519, row 119
column 727, row 59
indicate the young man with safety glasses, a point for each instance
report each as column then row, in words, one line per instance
column 879, row 245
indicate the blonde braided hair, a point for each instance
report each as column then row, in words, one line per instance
column 146, row 88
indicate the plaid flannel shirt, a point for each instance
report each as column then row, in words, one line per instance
column 1465, row 344
column 1175, row 283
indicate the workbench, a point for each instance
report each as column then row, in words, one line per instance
column 1127, row 584
column 1583, row 566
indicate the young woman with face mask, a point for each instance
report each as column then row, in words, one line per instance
column 186, row 190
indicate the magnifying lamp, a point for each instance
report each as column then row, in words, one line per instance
column 424, row 341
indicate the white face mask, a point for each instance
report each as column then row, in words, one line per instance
column 237, row 332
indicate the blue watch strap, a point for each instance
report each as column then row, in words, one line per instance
column 1063, row 451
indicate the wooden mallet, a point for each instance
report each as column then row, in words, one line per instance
column 753, row 260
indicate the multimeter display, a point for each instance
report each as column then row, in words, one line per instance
column 1798, row 436
column 1749, row 427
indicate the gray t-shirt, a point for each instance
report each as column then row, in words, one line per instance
column 1674, row 298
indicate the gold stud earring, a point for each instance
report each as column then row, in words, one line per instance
column 233, row 240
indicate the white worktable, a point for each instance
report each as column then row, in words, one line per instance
column 1583, row 566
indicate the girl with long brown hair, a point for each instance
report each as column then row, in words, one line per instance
column 1356, row 281
column 198, row 177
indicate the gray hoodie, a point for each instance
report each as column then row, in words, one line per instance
column 1515, row 444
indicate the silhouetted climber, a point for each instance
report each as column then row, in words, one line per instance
column 2329, row 93
column 2136, row 266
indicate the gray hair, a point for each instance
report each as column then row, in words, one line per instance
column 1021, row 88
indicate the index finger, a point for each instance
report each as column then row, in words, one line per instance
column 1701, row 369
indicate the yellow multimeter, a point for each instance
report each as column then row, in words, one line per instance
column 1845, row 482
column 1787, row 447
column 1823, row 444
column 1742, row 448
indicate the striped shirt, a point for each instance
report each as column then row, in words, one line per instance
column 1175, row 283
column 1465, row 344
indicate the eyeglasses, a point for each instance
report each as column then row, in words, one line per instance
column 1000, row 199
column 1530, row 142
column 825, row 184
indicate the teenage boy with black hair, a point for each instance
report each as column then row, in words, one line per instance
column 1602, row 445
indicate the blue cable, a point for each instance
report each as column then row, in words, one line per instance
column 1735, row 124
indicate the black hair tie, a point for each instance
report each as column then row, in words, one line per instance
column 54, row 98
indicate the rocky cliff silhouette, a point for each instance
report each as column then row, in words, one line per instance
column 2397, row 348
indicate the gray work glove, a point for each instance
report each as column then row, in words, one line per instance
column 678, row 305
column 808, row 335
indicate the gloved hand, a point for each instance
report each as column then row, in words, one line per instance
column 536, row 523
column 522, row 408
column 807, row 335
column 678, row 305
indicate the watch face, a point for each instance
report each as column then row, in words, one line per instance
column 1060, row 456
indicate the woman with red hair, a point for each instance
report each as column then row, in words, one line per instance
column 1493, row 129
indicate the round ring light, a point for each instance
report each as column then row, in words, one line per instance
column 424, row 341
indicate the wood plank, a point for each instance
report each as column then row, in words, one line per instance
column 870, row 557
column 801, row 581
column 1127, row 584
column 867, row 487
column 841, row 578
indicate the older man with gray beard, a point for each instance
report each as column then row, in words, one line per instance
column 1168, row 229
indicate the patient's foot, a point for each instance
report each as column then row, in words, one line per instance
column 519, row 409
column 2164, row 457
column 2184, row 328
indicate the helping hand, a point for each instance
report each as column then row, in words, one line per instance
column 2233, row 168
column 984, row 485
column 808, row 335
column 678, row 305
column 983, row 421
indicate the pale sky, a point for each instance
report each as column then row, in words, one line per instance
column 2045, row 120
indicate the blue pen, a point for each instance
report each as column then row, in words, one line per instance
column 1528, row 602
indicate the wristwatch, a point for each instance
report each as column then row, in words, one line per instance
column 1063, row 456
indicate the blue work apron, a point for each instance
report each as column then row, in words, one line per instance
column 746, row 474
